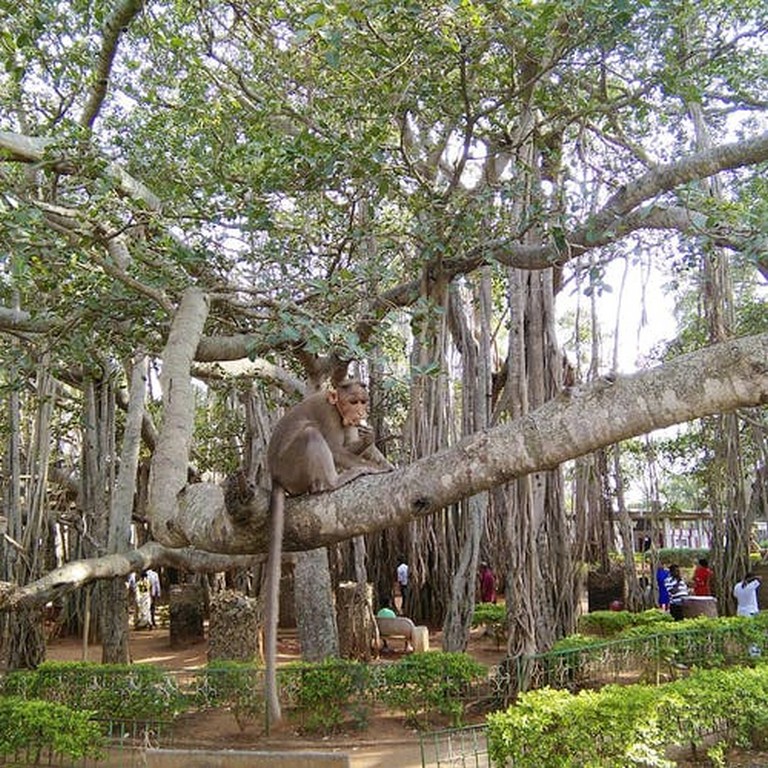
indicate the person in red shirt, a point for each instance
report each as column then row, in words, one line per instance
column 487, row 584
column 702, row 579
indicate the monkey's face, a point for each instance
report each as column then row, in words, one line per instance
column 351, row 403
column 353, row 411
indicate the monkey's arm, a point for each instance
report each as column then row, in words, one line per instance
column 358, row 438
column 360, row 441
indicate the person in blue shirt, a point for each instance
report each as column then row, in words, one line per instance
column 662, row 574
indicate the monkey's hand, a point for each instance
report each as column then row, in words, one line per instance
column 362, row 440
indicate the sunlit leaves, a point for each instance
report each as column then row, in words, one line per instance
column 312, row 155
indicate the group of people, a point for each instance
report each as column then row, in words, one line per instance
column 673, row 589
column 390, row 608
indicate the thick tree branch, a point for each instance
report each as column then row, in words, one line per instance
column 621, row 215
column 20, row 321
column 116, row 23
column 31, row 149
column 74, row 575
column 715, row 379
column 168, row 474
column 618, row 217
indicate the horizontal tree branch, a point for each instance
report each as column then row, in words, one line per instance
column 713, row 380
column 72, row 576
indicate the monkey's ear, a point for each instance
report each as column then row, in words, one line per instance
column 332, row 396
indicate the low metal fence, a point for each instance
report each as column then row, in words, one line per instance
column 647, row 658
column 455, row 747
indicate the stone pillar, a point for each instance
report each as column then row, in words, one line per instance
column 235, row 627
column 186, row 606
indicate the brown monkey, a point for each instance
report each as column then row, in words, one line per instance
column 314, row 447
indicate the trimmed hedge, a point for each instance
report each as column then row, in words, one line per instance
column 47, row 730
column 431, row 682
column 636, row 725
column 319, row 697
column 611, row 623
column 138, row 692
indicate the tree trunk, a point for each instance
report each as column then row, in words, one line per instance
column 727, row 495
column 26, row 639
column 234, row 628
column 475, row 346
column 315, row 614
column 636, row 599
column 114, row 596
column 354, row 614
column 97, row 485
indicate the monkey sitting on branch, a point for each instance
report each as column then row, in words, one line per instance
column 318, row 445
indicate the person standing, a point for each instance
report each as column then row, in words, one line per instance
column 487, row 584
column 154, row 594
column 143, row 616
column 745, row 592
column 702, row 578
column 662, row 574
column 402, row 581
column 677, row 590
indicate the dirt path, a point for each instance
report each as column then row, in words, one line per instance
column 387, row 742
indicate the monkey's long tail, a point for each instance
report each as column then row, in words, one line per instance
column 272, row 602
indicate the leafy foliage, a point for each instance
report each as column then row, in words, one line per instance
column 494, row 617
column 324, row 694
column 123, row 691
column 426, row 682
column 631, row 725
column 609, row 623
column 237, row 686
column 48, row 730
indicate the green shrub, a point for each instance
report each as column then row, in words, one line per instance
column 494, row 617
column 632, row 725
column 611, row 623
column 237, row 686
column 685, row 558
column 707, row 642
column 38, row 728
column 324, row 695
column 427, row 683
column 119, row 691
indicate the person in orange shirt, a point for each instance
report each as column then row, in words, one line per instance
column 702, row 578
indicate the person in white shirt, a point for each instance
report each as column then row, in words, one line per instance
column 145, row 590
column 402, row 581
column 678, row 591
column 745, row 592
column 154, row 594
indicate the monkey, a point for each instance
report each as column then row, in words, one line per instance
column 315, row 447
